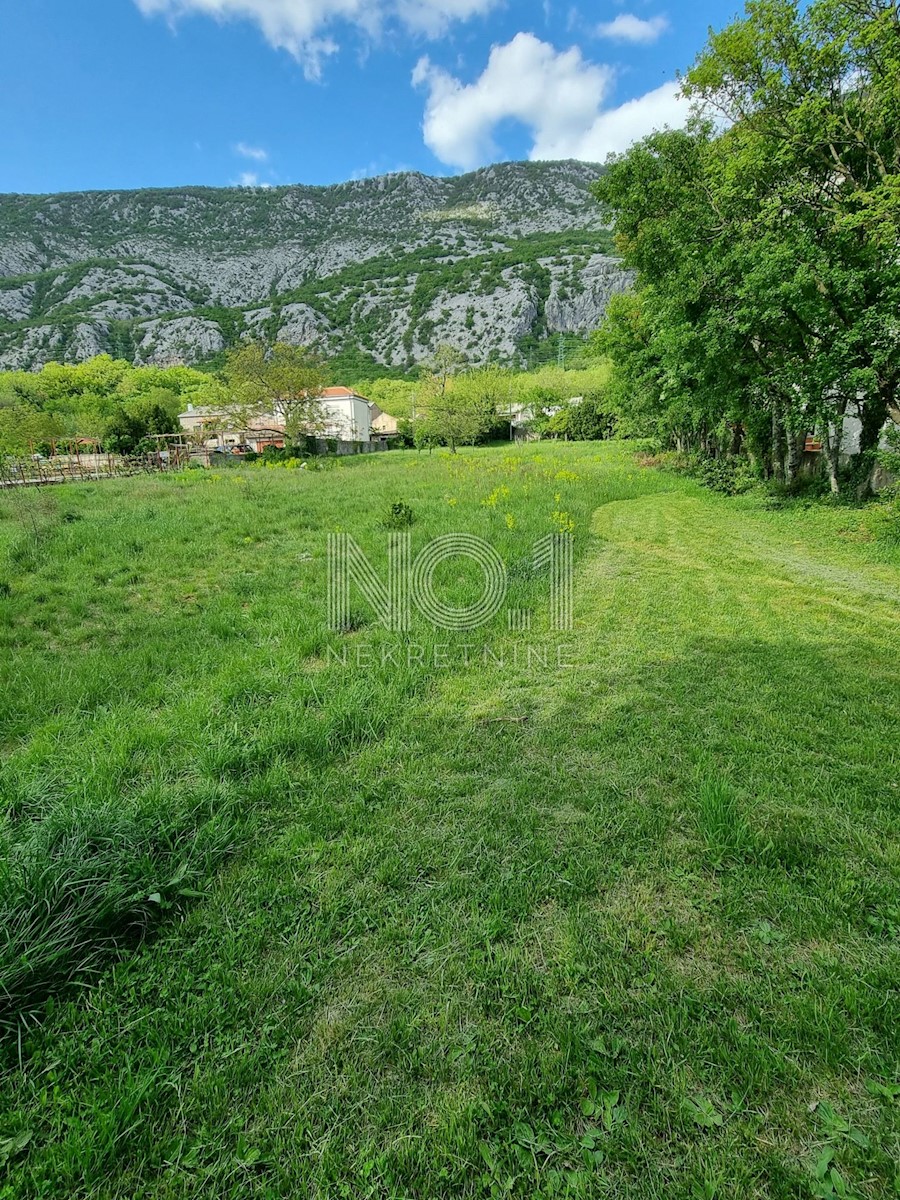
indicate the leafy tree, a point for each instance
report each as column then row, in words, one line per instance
column 766, row 251
column 394, row 396
column 143, row 417
column 88, row 414
column 25, row 430
column 590, row 421
column 60, row 384
column 158, row 408
column 116, row 403
column 283, row 381
column 451, row 410
column 123, row 433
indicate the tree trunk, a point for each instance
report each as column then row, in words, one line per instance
column 833, row 439
column 779, row 444
column 873, row 415
column 794, row 456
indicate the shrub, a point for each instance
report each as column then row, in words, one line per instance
column 884, row 519
column 888, row 457
column 664, row 460
column 275, row 456
column 730, row 476
column 399, row 516
column 406, row 434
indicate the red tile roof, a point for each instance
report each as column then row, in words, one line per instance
column 340, row 393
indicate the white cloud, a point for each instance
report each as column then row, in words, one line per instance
column 301, row 26
column 250, row 179
column 257, row 153
column 432, row 17
column 628, row 28
column 614, row 130
column 526, row 80
column 558, row 95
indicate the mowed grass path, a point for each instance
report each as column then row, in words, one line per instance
column 626, row 928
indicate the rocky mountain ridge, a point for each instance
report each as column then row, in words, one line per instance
column 380, row 270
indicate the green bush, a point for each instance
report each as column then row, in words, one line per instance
column 398, row 516
column 884, row 519
column 280, row 454
column 730, row 476
column 888, row 457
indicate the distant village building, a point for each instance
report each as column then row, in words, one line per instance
column 346, row 417
column 384, row 424
column 209, row 430
column 522, row 418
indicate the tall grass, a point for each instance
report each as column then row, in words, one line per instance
column 622, row 927
column 156, row 635
column 93, row 879
column 721, row 821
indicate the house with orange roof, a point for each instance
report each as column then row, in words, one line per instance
column 345, row 416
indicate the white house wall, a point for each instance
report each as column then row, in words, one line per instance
column 348, row 419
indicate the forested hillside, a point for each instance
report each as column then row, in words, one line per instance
column 380, row 271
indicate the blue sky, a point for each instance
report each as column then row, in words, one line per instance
column 147, row 93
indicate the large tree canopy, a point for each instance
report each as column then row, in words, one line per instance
column 104, row 398
column 280, row 380
column 765, row 238
column 454, row 408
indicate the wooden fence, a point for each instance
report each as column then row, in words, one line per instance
column 83, row 468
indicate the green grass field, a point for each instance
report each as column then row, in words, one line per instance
column 627, row 926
